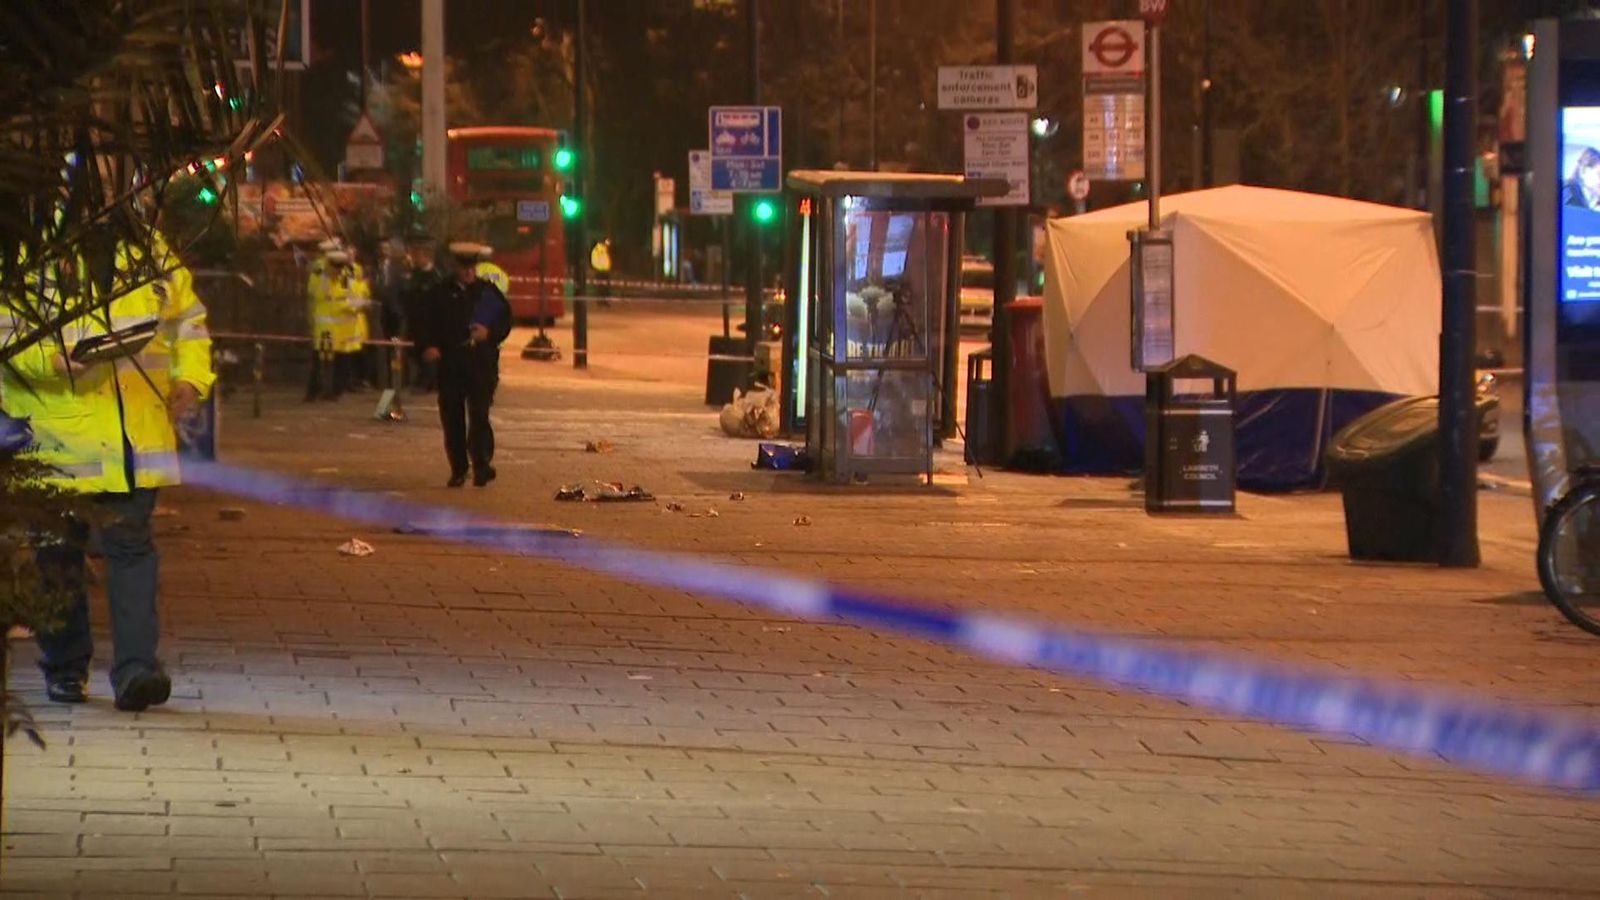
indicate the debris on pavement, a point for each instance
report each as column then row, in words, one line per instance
column 356, row 547
column 753, row 414
column 230, row 514
column 782, row 458
column 710, row 513
column 600, row 446
column 802, row 520
column 162, row 512
column 736, row 495
column 604, row 492
column 674, row 507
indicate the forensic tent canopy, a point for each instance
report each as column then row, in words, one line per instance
column 1326, row 308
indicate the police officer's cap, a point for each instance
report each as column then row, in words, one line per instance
column 339, row 257
column 485, row 251
column 329, row 245
column 467, row 250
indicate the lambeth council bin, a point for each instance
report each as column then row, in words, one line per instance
column 1386, row 465
column 1189, row 463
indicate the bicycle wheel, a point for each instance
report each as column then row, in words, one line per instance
column 1569, row 556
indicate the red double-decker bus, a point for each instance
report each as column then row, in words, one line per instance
column 514, row 174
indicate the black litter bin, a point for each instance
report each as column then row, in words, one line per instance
column 1189, row 463
column 1386, row 465
column 980, row 408
column 723, row 375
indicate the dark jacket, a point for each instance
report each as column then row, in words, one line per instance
column 450, row 312
column 416, row 297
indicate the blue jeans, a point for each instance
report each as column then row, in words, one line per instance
column 130, row 553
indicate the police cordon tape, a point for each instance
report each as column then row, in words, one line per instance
column 1539, row 747
column 245, row 337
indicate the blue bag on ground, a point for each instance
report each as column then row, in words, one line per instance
column 782, row 457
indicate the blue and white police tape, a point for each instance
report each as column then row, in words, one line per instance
column 1539, row 747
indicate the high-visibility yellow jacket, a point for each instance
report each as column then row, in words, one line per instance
column 337, row 301
column 106, row 429
column 496, row 276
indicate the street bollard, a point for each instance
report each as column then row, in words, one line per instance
column 258, row 373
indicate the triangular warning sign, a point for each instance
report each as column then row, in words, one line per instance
column 364, row 132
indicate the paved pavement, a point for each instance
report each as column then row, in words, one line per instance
column 438, row 721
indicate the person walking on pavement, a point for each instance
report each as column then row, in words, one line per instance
column 106, row 425
column 465, row 322
column 423, row 280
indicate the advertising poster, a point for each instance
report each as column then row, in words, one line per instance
column 1580, row 205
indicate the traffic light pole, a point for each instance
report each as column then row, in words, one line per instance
column 1005, row 275
column 580, row 229
column 752, row 287
column 1458, row 432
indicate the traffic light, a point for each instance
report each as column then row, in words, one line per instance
column 564, row 159
column 764, row 211
column 571, row 206
column 207, row 196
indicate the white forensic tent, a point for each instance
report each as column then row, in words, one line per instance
column 1325, row 307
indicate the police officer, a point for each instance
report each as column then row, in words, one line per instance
column 105, row 425
column 422, row 280
column 348, row 298
column 465, row 321
column 492, row 273
column 322, row 316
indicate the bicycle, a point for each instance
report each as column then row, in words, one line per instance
column 1569, row 551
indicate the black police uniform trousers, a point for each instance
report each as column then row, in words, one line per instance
column 466, row 391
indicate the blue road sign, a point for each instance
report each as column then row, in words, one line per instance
column 746, row 148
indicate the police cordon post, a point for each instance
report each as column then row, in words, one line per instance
column 1544, row 748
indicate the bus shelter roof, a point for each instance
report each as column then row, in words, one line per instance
column 909, row 185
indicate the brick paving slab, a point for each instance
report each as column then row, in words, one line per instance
column 439, row 721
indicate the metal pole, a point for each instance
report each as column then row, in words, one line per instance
column 842, row 59
column 1458, row 432
column 366, row 51
column 1207, row 170
column 433, row 112
column 872, row 85
column 580, row 225
column 727, row 272
column 1152, row 128
column 1005, row 270
column 752, row 295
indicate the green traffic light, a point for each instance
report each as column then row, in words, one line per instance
column 765, row 211
column 564, row 159
column 571, row 207
column 207, row 196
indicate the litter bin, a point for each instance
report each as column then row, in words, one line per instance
column 1386, row 465
column 1189, row 463
column 723, row 375
column 980, row 407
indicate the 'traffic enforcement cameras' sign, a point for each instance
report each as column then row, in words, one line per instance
column 746, row 148
column 988, row 87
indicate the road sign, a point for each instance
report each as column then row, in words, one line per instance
column 988, row 87
column 746, row 148
column 1113, row 49
column 996, row 146
column 533, row 210
column 1154, row 12
column 364, row 148
column 1078, row 185
column 1113, row 100
column 703, row 201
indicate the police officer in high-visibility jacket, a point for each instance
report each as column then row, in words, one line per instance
column 492, row 273
column 322, row 316
column 105, row 425
column 349, row 297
